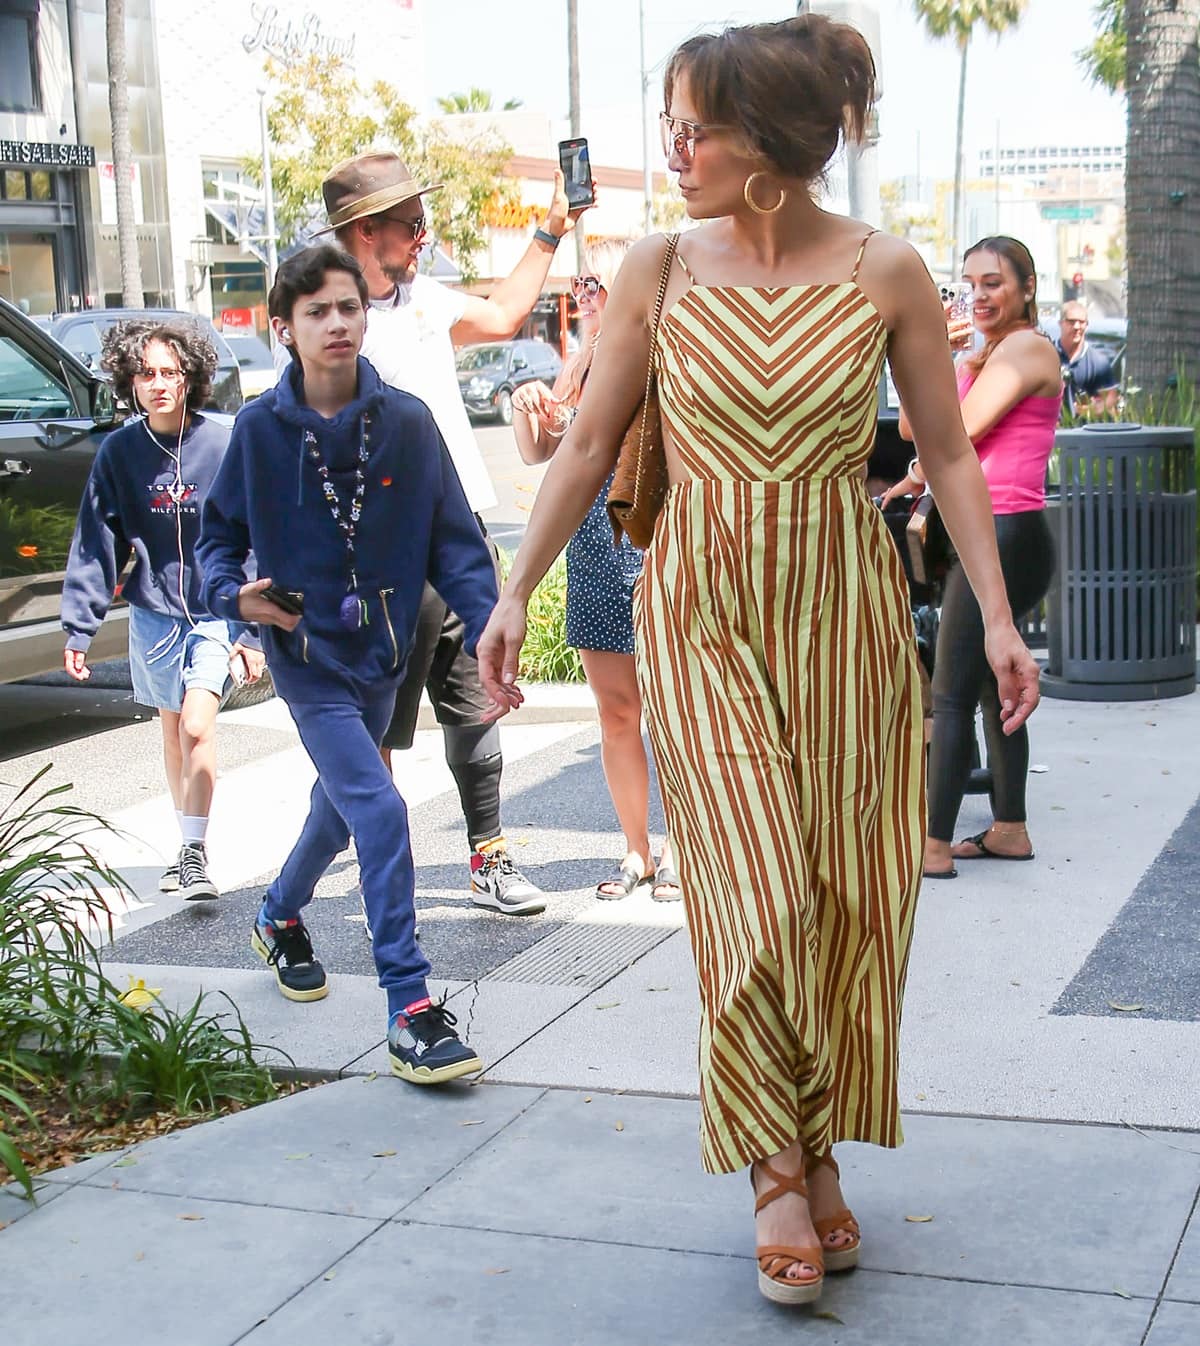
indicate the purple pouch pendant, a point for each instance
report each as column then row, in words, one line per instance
column 350, row 613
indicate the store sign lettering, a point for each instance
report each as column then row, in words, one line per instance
column 47, row 155
column 293, row 39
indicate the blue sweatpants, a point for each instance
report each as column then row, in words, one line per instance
column 355, row 797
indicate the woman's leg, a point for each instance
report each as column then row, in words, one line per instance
column 957, row 678
column 1027, row 560
column 613, row 680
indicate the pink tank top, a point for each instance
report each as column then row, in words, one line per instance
column 1014, row 452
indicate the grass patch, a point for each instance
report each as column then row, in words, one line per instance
column 72, row 1051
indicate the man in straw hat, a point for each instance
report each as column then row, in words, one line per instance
column 376, row 210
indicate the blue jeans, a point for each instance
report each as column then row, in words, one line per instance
column 355, row 797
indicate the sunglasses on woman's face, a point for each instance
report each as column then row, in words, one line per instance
column 679, row 137
column 589, row 285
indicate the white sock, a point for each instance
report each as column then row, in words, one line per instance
column 193, row 829
column 179, row 820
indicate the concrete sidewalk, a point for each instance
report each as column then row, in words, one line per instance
column 1051, row 1031
column 370, row 1211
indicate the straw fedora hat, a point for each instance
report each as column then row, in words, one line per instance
column 368, row 184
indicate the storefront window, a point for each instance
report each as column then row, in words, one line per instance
column 20, row 87
column 16, row 188
column 42, row 186
column 27, row 271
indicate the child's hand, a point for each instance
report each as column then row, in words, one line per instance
column 75, row 662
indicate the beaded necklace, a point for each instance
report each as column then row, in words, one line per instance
column 352, row 613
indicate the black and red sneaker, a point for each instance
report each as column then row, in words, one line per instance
column 425, row 1048
column 286, row 947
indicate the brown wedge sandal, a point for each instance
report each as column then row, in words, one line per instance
column 775, row 1259
column 844, row 1258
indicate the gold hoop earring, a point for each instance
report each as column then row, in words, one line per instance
column 748, row 194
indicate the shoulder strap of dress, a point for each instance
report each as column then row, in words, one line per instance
column 686, row 269
column 862, row 247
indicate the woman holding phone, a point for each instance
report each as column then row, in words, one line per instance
column 1010, row 395
column 775, row 648
column 600, row 580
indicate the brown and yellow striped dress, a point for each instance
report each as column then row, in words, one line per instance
column 779, row 675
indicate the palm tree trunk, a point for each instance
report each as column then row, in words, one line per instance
column 1162, row 189
column 958, row 241
column 132, row 295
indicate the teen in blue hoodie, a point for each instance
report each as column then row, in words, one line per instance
column 344, row 491
column 143, row 500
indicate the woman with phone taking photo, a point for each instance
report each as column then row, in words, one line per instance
column 775, row 647
column 1011, row 396
column 600, row 580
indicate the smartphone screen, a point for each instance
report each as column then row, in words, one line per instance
column 577, row 170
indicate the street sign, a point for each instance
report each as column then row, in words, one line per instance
column 1069, row 212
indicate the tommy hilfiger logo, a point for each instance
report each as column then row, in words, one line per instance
column 170, row 495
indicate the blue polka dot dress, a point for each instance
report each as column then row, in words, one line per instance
column 600, row 580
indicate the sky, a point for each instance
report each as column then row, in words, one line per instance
column 1023, row 89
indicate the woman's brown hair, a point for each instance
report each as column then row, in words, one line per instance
column 792, row 89
column 1018, row 256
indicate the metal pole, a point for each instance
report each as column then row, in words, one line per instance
column 268, row 190
column 647, row 179
column 573, row 94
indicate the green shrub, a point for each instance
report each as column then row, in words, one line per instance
column 546, row 656
column 64, row 1029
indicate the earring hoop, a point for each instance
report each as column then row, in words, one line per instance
column 748, row 195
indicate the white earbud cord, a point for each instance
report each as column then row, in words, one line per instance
column 176, row 456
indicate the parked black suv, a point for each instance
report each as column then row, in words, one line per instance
column 54, row 411
column 81, row 332
column 487, row 375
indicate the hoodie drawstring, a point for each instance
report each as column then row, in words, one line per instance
column 300, row 472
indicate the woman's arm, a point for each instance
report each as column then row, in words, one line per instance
column 534, row 409
column 583, row 460
column 1022, row 365
column 924, row 376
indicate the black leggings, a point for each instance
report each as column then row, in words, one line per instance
column 962, row 679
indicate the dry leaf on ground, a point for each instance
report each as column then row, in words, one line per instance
column 919, row 1219
column 1125, row 1009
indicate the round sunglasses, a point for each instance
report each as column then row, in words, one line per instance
column 589, row 285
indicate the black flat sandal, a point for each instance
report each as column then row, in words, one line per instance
column 626, row 879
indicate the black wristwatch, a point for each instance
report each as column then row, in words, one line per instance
column 545, row 236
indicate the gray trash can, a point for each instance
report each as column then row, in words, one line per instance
column 1123, row 623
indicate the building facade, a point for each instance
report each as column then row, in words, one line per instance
column 58, row 238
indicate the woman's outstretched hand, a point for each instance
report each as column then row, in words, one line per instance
column 499, row 655
column 1017, row 675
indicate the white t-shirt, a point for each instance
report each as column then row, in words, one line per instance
column 408, row 342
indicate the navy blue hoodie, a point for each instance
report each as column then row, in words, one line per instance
column 415, row 526
column 135, row 503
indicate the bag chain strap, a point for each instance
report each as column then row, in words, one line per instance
column 663, row 282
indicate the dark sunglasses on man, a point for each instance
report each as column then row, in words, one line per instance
column 589, row 285
column 416, row 228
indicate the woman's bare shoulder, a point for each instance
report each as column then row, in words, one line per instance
column 1030, row 345
column 892, row 272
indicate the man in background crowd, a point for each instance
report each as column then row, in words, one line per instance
column 1088, row 378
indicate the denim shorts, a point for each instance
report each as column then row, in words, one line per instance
column 169, row 656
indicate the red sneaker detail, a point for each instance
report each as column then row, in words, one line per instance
column 416, row 1007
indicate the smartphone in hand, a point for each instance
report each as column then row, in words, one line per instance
column 287, row 599
column 577, row 172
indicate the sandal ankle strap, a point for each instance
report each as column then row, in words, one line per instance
column 784, row 1183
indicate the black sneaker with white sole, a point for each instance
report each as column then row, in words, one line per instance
column 497, row 883
column 289, row 951
column 194, row 883
column 425, row 1048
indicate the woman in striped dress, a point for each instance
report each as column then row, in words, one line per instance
column 775, row 643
